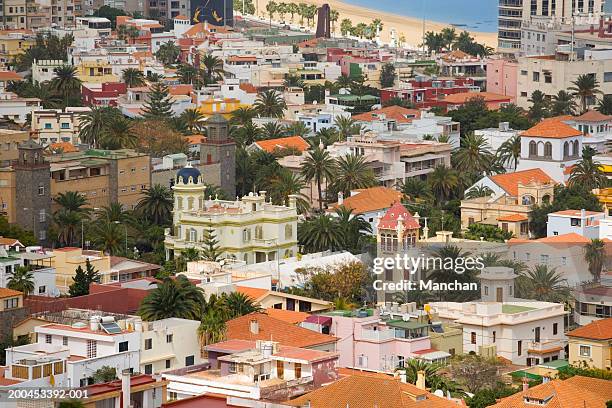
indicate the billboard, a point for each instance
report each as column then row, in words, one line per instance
column 215, row 12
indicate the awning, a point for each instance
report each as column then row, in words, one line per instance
column 322, row 320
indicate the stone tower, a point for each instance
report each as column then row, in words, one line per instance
column 219, row 149
column 33, row 198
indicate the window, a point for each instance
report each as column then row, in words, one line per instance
column 524, row 72
column 362, row 361
column 148, row 369
column 42, row 216
column 42, row 289
column 523, row 94
column 123, row 346
column 41, row 190
column 575, row 222
column 11, row 303
column 288, row 231
column 536, row 76
column 92, row 348
column 168, row 338
column 544, row 259
column 494, row 336
column 42, row 235
column 401, row 361
column 298, row 370
column 607, row 76
column 555, row 328
column 148, row 344
column 168, row 364
column 563, row 258
column 473, row 338
column 585, row 351
column 520, row 347
column 48, row 338
column 47, row 126
column 486, row 290
column 189, row 361
column 65, row 125
column 65, row 340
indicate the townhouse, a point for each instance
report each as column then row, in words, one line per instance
column 591, row 345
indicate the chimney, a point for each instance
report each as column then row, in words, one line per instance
column 583, row 213
column 420, row 383
column 125, row 388
column 254, row 326
column 340, row 198
column 525, row 384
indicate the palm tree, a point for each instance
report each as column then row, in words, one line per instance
column 563, row 103
column 213, row 68
column 587, row 173
column 168, row 53
column 193, row 120
column 320, row 233
column 133, row 77
column 247, row 135
column 243, row 116
column 353, row 228
column 117, row 134
column 113, row 213
column 156, row 205
column 67, row 224
column 187, row 73
column 66, row 82
column 21, row 279
column 93, row 122
column 334, row 15
column 212, row 328
column 318, row 165
column 442, row 182
column 586, row 89
column 108, row 236
column 71, row 201
column 510, row 151
column 172, row 298
column 413, row 366
column 293, row 81
column 539, row 105
column 298, row 129
column 346, row 27
column 605, row 105
column 414, row 189
column 346, row 126
column 287, row 183
column 449, row 35
column 270, row 104
column 542, row 283
column 271, row 8
column 238, row 304
column 478, row 191
column 273, row 130
column 351, row 172
column 474, row 155
column 595, row 254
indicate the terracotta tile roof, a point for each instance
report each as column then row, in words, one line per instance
column 253, row 293
column 571, row 238
column 232, row 346
column 552, row 128
column 5, row 292
column 181, row 89
column 283, row 143
column 457, row 54
column 390, row 219
column 513, row 218
column 195, row 139
column 297, row 353
column 509, row 181
column 370, row 199
column 463, row 97
column 367, row 391
column 288, row 316
column 397, row 113
column 10, row 241
column 10, row 76
column 575, row 392
column 248, row 87
column 237, row 58
column 575, row 213
column 597, row 330
column 64, row 147
column 181, row 17
column 273, row 329
column 593, row 116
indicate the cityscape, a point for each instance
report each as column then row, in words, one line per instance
column 305, row 204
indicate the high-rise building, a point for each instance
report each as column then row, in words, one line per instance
column 509, row 30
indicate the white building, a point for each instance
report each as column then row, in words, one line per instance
column 496, row 137
column 44, row 70
column 526, row 332
column 581, row 222
column 16, row 108
column 56, row 126
column 250, row 230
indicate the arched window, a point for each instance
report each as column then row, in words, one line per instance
column 533, row 149
column 528, row 200
column 575, row 151
column 540, row 149
column 190, row 203
column 548, row 149
column 246, row 258
column 565, row 149
column 546, row 199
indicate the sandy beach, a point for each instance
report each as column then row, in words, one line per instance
column 411, row 28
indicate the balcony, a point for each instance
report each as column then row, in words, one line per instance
column 377, row 335
column 542, row 347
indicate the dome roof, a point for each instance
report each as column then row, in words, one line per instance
column 182, row 176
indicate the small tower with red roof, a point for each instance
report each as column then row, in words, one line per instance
column 398, row 230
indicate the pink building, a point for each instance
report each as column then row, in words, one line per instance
column 502, row 76
column 373, row 342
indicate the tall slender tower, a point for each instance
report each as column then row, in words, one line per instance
column 220, row 148
column 33, row 200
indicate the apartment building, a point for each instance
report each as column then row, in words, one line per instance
column 9, row 141
column 13, row 43
column 591, row 345
column 16, row 108
column 43, row 274
column 12, row 310
column 55, row 126
column 501, row 76
column 549, row 73
column 424, row 92
column 102, row 176
column 581, row 222
column 593, row 301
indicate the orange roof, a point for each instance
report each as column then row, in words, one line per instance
column 367, row 391
column 5, row 292
column 64, row 147
column 397, row 113
column 552, row 128
column 571, row 238
column 597, row 330
column 593, row 116
column 575, row 392
column 509, row 181
column 248, row 87
column 195, row 139
column 181, row 17
column 283, row 143
column 288, row 316
column 181, row 89
column 10, row 76
column 391, row 218
column 9, row 241
column 270, row 328
column 513, row 218
column 253, row 293
column 463, row 97
column 575, row 213
column 370, row 199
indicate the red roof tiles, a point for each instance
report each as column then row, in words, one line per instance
column 392, row 216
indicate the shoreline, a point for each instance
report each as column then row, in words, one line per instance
column 410, row 27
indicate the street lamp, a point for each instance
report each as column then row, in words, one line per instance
column 126, row 238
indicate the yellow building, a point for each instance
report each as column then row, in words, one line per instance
column 591, row 345
column 98, row 71
column 224, row 107
column 13, row 43
column 605, row 198
column 67, row 260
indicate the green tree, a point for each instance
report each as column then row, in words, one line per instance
column 66, row 83
column 415, row 189
column 442, row 181
column 212, row 67
column 346, row 27
column 320, row 233
column 193, row 120
column 563, row 104
column 159, row 105
column 586, row 89
column 318, row 165
column 118, row 134
column 270, row 104
column 605, row 105
column 172, row 298
column 351, row 172
column 156, row 205
column 273, row 130
column 93, row 123
column 387, row 75
column 111, row 13
column 238, row 304
column 587, row 173
column 211, row 251
column 346, row 126
column 133, row 77
column 473, row 155
column 539, row 105
column 353, row 227
column 104, row 374
column 21, row 279
column 542, row 283
column 490, row 233
column 595, row 255
column 475, row 372
column 212, row 328
column 168, row 53
column 510, row 151
column 82, row 279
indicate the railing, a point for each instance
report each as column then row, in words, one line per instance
column 377, row 335
column 543, row 345
column 30, row 372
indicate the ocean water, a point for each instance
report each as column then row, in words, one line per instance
column 474, row 15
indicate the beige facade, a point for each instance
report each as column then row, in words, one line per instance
column 56, row 126
column 7, row 194
column 14, row 12
column 67, row 260
column 450, row 341
column 592, row 353
column 9, row 140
